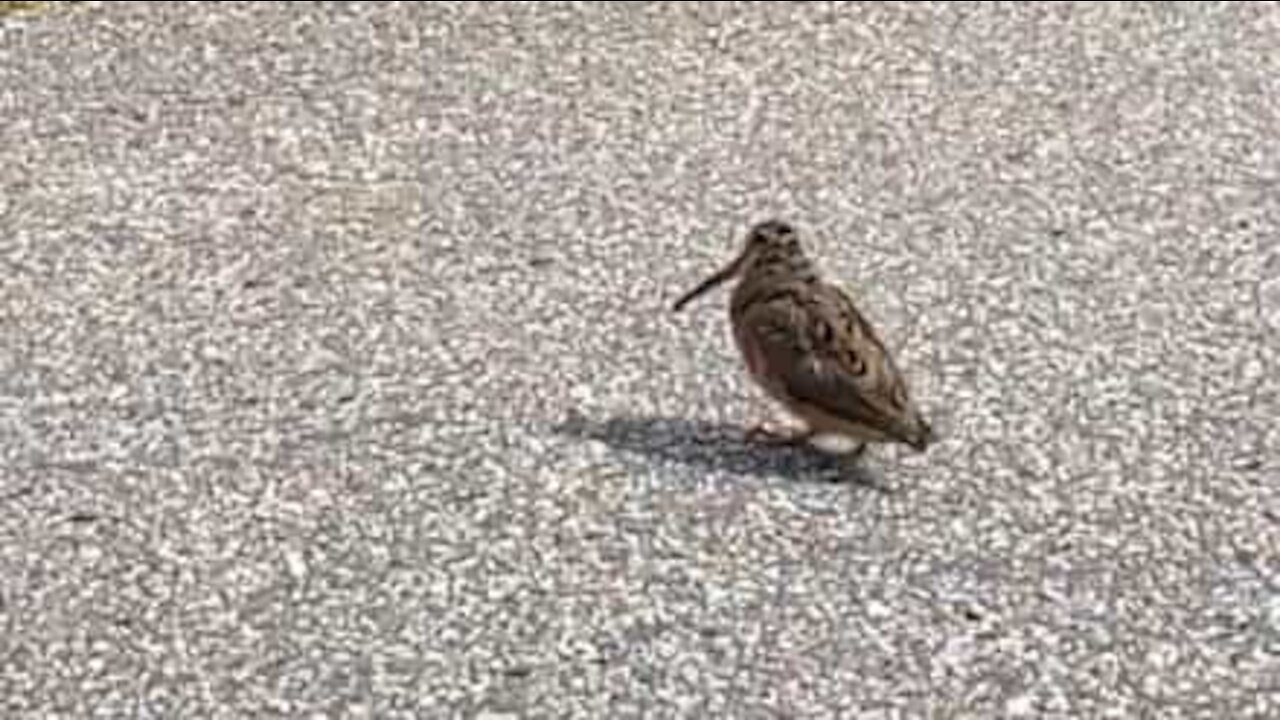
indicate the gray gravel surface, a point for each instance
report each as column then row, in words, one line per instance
column 337, row 374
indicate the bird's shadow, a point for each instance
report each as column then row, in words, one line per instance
column 714, row 446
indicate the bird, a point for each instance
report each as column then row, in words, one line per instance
column 811, row 350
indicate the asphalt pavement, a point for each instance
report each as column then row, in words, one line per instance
column 338, row 375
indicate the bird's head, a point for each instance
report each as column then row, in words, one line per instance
column 767, row 242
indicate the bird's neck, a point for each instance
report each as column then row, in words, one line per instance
column 770, row 275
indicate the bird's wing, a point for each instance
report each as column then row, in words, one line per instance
column 823, row 353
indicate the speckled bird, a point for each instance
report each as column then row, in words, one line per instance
column 807, row 345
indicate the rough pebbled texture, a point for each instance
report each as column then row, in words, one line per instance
column 337, row 374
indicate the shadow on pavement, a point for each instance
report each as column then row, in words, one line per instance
column 713, row 446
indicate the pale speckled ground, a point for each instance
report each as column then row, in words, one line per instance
column 337, row 370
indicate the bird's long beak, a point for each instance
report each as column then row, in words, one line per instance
column 725, row 273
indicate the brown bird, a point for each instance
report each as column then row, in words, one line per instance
column 810, row 349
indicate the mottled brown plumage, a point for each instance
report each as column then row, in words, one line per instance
column 809, row 348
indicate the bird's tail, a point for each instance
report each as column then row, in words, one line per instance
column 916, row 432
